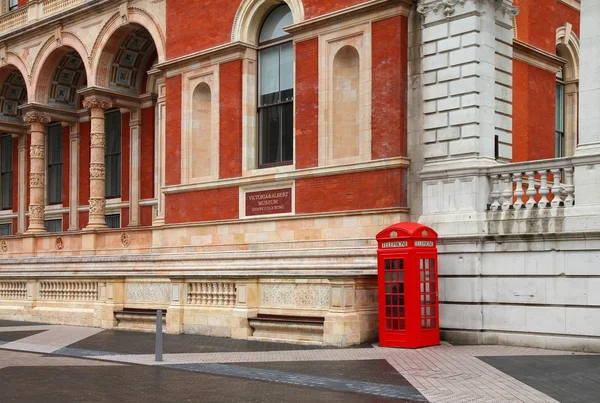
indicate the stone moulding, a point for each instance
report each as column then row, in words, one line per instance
column 283, row 330
column 447, row 7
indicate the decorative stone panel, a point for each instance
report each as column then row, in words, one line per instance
column 295, row 295
column 148, row 292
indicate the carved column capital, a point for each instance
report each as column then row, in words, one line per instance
column 32, row 118
column 97, row 103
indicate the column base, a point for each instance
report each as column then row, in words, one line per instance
column 95, row 226
column 34, row 229
column 158, row 221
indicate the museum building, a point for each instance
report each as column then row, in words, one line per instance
column 231, row 162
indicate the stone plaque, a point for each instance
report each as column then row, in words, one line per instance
column 275, row 201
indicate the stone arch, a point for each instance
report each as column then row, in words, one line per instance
column 13, row 59
column 114, row 31
column 567, row 47
column 50, row 54
column 251, row 13
column 13, row 90
column 346, row 103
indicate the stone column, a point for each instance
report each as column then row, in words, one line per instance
column 159, row 154
column 589, row 79
column 97, row 201
column 74, row 142
column 37, row 175
column 135, row 130
column 465, row 78
column 22, row 180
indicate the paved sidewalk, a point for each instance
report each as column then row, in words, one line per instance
column 285, row 372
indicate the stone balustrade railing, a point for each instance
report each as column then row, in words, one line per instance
column 32, row 12
column 211, row 293
column 13, row 290
column 68, row 290
column 529, row 185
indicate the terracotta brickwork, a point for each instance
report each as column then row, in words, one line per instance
column 207, row 205
column 173, row 131
column 307, row 104
column 147, row 158
column 230, row 143
column 125, row 156
column 389, row 87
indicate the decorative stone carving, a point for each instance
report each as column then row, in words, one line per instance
column 36, row 180
column 4, row 245
column 98, row 140
column 59, row 243
column 97, row 206
column 69, row 290
column 36, row 212
column 305, row 295
column 148, row 292
column 13, row 289
column 36, row 151
column 125, row 239
column 211, row 293
column 35, row 118
column 97, row 103
column 447, row 7
column 97, row 171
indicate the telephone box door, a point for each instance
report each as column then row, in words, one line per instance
column 428, row 297
column 392, row 296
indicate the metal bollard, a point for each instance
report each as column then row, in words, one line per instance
column 159, row 341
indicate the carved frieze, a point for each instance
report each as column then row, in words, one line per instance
column 305, row 295
column 36, row 212
column 98, row 139
column 97, row 103
column 36, row 151
column 97, row 171
column 447, row 7
column 32, row 118
column 36, row 180
column 97, row 205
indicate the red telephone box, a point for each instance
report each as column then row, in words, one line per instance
column 408, row 286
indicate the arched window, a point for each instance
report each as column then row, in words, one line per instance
column 567, row 90
column 276, row 90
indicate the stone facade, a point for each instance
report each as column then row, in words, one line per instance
column 426, row 110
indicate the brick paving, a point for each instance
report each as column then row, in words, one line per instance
column 443, row 373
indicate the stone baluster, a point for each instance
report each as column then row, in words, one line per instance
column 544, row 189
column 37, row 175
column 569, row 188
column 531, row 192
column 495, row 193
column 556, row 188
column 519, row 192
column 97, row 201
column 507, row 192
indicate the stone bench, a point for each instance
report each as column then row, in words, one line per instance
column 139, row 319
column 288, row 328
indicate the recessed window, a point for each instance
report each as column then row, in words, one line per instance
column 113, row 220
column 560, row 115
column 276, row 90
column 53, row 225
column 6, row 171
column 55, row 164
column 112, row 156
column 5, row 229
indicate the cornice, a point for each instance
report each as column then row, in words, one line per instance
column 119, row 99
column 369, row 7
column 537, row 57
column 13, row 126
column 574, row 4
column 447, row 7
column 235, row 50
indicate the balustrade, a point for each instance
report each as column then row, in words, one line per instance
column 13, row 290
column 53, row 6
column 211, row 293
column 68, row 290
column 21, row 17
column 542, row 187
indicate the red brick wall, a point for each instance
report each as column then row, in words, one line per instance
column 230, row 123
column 355, row 191
column 66, row 168
column 15, row 226
column 533, row 113
column 146, row 216
column 388, row 122
column 147, row 157
column 83, row 219
column 22, row 2
column 189, row 21
column 307, row 104
column 125, row 155
column 124, row 217
column 205, row 205
column 173, row 131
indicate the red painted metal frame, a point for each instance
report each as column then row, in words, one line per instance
column 408, row 309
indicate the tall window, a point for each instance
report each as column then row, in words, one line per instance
column 55, row 164
column 6, row 171
column 276, row 90
column 13, row 4
column 560, row 115
column 112, row 156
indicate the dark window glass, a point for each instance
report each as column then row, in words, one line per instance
column 113, row 220
column 55, row 164
column 5, row 229
column 113, row 154
column 13, row 4
column 560, row 119
column 6, row 171
column 276, row 91
column 53, row 225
